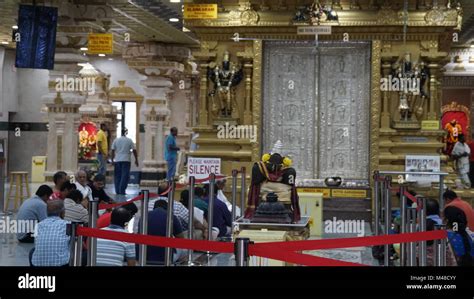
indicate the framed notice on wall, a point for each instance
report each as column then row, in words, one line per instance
column 415, row 163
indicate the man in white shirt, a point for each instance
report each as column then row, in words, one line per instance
column 81, row 185
column 122, row 147
column 220, row 184
column 461, row 153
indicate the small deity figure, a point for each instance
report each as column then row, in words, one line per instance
column 273, row 174
column 454, row 129
column 409, row 80
column 225, row 78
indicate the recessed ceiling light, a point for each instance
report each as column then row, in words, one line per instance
column 101, row 55
column 111, row 59
column 15, row 27
column 175, row 1
column 4, row 43
column 83, row 49
column 472, row 46
column 174, row 20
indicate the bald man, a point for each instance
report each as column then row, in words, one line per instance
column 52, row 242
column 81, row 185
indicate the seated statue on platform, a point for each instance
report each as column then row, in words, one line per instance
column 273, row 175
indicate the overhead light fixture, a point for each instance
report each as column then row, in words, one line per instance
column 111, row 59
column 84, row 49
column 472, row 46
column 175, row 1
column 15, row 27
column 4, row 43
column 101, row 55
column 174, row 20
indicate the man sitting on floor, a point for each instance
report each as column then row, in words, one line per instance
column 33, row 210
column 97, row 187
column 114, row 253
column 52, row 242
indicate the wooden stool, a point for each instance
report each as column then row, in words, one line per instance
column 20, row 180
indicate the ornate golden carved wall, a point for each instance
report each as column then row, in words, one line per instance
column 428, row 38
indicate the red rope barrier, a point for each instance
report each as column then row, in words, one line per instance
column 355, row 242
column 212, row 246
column 297, row 258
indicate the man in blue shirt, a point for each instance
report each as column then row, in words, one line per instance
column 222, row 218
column 157, row 227
column 34, row 210
column 52, row 242
column 171, row 151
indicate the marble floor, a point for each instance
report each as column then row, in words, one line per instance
column 13, row 253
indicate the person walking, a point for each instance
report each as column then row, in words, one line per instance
column 171, row 152
column 461, row 153
column 122, row 147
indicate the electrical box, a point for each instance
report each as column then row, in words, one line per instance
column 311, row 205
column 38, row 167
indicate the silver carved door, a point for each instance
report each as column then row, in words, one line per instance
column 316, row 101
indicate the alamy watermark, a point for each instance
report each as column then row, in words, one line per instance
column 76, row 84
column 229, row 131
column 13, row 226
column 335, row 226
column 394, row 83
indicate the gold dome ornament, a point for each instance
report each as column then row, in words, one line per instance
column 266, row 157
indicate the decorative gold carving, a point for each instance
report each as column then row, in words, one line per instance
column 256, row 96
column 435, row 17
column 375, row 106
column 58, row 100
column 387, row 16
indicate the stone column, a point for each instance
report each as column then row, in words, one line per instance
column 433, row 100
column 63, row 108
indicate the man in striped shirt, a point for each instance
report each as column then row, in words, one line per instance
column 114, row 253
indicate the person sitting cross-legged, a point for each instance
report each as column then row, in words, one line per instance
column 112, row 252
column 52, row 242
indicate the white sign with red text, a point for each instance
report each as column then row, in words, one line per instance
column 201, row 168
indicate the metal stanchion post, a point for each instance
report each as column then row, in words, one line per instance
column 143, row 227
column 439, row 248
column 71, row 232
column 242, row 192
column 241, row 251
column 412, row 245
column 234, row 193
column 210, row 209
column 192, row 181
column 169, row 225
column 388, row 219
column 441, row 191
column 376, row 202
column 92, row 248
column 403, row 225
column 422, row 223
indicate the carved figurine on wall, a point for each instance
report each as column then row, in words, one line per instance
column 454, row 129
column 225, row 78
column 409, row 80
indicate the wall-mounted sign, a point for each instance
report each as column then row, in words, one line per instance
column 326, row 192
column 200, row 11
column 412, row 139
column 348, row 193
column 313, row 30
column 417, row 163
column 100, row 43
column 430, row 125
column 201, row 168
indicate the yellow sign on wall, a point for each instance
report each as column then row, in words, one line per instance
column 326, row 192
column 348, row 193
column 200, row 11
column 430, row 125
column 100, row 43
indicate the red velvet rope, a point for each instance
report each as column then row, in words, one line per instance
column 212, row 246
column 355, row 242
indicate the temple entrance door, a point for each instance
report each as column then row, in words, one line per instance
column 316, row 101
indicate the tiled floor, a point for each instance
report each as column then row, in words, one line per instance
column 13, row 253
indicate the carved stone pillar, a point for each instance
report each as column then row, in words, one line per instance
column 63, row 108
column 433, row 112
column 203, row 110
